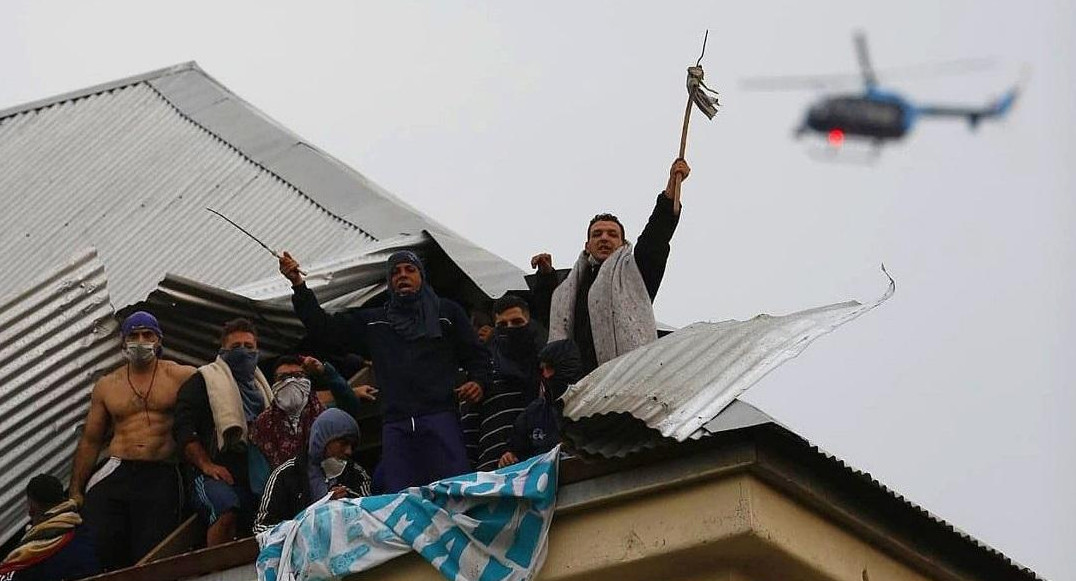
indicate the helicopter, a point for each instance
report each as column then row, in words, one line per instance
column 876, row 115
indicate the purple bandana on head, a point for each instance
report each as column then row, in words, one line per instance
column 141, row 320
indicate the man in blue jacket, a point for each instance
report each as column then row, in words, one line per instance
column 417, row 342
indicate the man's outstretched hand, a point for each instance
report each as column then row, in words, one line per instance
column 289, row 267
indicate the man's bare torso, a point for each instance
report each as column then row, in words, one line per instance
column 140, row 410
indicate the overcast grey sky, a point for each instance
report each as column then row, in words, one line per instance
column 512, row 124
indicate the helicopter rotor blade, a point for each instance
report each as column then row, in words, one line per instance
column 863, row 56
column 851, row 80
column 799, row 82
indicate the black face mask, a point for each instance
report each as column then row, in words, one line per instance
column 516, row 342
column 554, row 390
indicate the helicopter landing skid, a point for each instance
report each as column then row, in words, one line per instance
column 849, row 152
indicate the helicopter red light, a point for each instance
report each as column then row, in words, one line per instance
column 835, row 137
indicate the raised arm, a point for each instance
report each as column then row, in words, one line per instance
column 340, row 330
column 546, row 283
column 652, row 248
column 89, row 445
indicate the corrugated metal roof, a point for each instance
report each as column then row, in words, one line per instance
column 56, row 337
column 340, row 189
column 128, row 167
column 865, row 477
column 681, row 382
column 125, row 172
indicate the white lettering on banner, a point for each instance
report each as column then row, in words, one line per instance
column 484, row 526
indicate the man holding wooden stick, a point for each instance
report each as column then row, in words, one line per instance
column 610, row 273
column 606, row 303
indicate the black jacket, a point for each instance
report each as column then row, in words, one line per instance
column 287, row 492
column 515, row 384
column 536, row 430
column 415, row 378
column 651, row 255
column 194, row 421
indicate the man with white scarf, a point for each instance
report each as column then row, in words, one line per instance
column 214, row 411
column 605, row 304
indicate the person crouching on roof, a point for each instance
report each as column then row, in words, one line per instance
column 57, row 545
column 284, row 427
column 537, row 430
column 324, row 466
column 417, row 342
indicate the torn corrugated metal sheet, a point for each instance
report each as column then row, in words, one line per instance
column 617, row 435
column 191, row 315
column 681, row 382
column 56, row 337
column 341, row 281
column 351, row 280
column 490, row 272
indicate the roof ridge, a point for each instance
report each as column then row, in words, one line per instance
column 238, row 150
column 98, row 89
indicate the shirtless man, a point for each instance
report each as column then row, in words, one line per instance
column 134, row 501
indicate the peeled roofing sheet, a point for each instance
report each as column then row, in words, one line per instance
column 350, row 280
column 56, row 337
column 127, row 173
column 191, row 315
column 681, row 382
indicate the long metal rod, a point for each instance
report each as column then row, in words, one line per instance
column 251, row 236
column 244, row 231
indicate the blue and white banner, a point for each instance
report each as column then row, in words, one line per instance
column 484, row 526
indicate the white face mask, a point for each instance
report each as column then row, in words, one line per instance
column 333, row 468
column 291, row 395
column 140, row 353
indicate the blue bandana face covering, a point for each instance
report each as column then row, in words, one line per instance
column 241, row 361
column 412, row 315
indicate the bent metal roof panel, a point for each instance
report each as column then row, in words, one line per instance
column 56, row 336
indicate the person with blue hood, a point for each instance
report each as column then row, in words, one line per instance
column 537, row 428
column 324, row 466
column 418, row 342
column 215, row 409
